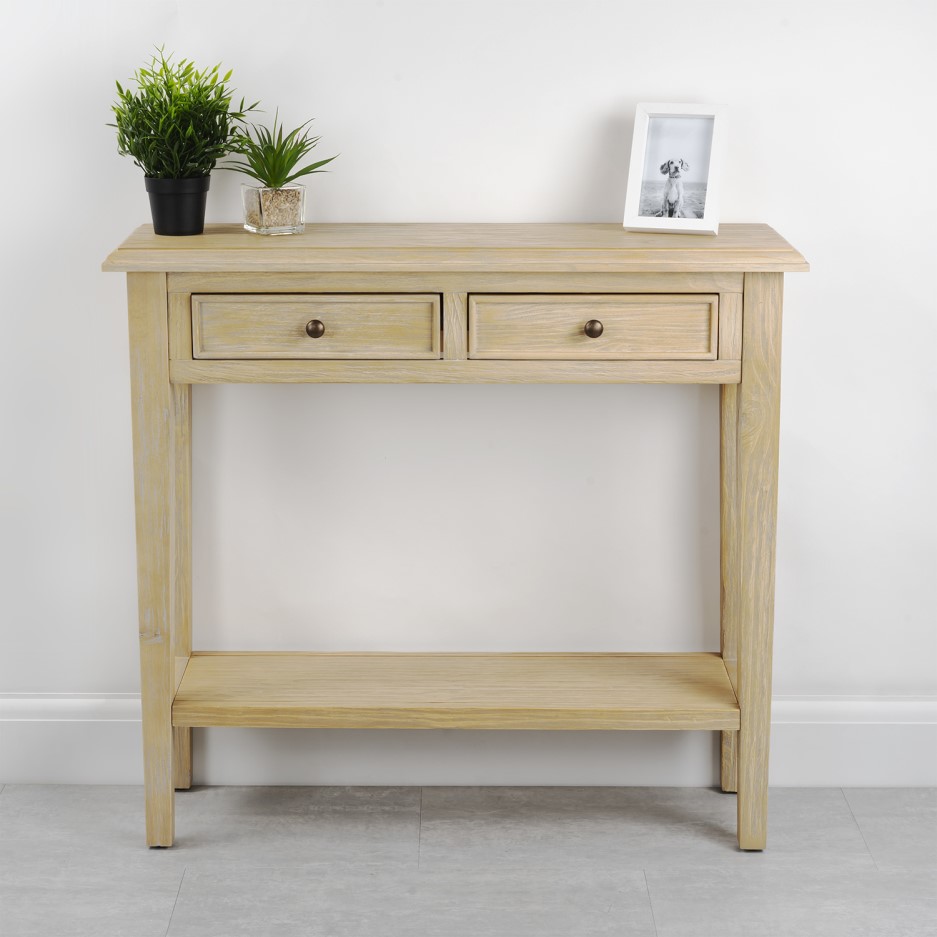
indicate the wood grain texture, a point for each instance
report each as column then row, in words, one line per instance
column 455, row 372
column 153, row 416
column 180, row 326
column 729, row 693
column 437, row 248
column 729, row 761
column 181, row 741
column 467, row 691
column 729, row 562
column 181, row 552
column 455, row 326
column 655, row 327
column 436, row 281
column 757, row 460
column 179, row 666
column 356, row 326
column 730, row 326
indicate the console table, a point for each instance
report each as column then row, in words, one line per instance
column 434, row 303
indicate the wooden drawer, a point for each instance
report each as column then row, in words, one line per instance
column 639, row 327
column 352, row 326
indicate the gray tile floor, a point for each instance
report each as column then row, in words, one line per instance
column 466, row 862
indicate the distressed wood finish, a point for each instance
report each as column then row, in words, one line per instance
column 455, row 326
column 730, row 326
column 477, row 281
column 728, row 761
column 181, row 553
column 456, row 372
column 757, row 500
column 243, row 285
column 356, row 326
column 180, row 326
column 729, row 563
column 636, row 328
column 457, row 691
column 442, row 248
column 154, row 435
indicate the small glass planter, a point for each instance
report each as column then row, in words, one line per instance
column 274, row 211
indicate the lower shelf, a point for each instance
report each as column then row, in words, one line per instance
column 456, row 691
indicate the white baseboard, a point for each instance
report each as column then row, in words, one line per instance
column 815, row 742
column 853, row 742
column 70, row 739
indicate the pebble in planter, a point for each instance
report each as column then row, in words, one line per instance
column 271, row 157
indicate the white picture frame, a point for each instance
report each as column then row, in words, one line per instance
column 676, row 166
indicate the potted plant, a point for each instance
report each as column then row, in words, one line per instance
column 176, row 126
column 271, row 157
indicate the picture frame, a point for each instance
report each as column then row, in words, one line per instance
column 676, row 167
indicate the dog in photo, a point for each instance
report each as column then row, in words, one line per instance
column 672, row 205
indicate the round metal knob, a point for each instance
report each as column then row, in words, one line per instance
column 593, row 328
column 315, row 328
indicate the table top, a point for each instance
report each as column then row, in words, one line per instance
column 583, row 248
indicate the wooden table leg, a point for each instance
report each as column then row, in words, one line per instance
column 757, row 460
column 182, row 571
column 154, row 418
column 729, row 565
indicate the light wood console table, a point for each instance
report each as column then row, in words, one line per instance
column 359, row 303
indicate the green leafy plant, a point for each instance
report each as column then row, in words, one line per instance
column 271, row 157
column 179, row 122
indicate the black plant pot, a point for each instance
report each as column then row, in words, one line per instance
column 178, row 205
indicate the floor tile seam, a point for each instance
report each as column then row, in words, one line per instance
column 839, row 879
column 216, row 864
column 788, row 863
column 858, row 827
column 650, row 903
column 176, row 901
column 419, row 834
column 558, row 871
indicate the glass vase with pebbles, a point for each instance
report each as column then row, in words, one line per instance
column 278, row 204
column 274, row 211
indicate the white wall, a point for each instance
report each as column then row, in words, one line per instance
column 348, row 517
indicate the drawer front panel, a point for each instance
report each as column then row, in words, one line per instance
column 638, row 327
column 339, row 326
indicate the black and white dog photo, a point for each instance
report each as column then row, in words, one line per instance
column 672, row 204
column 678, row 149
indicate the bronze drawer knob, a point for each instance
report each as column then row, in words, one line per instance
column 594, row 328
column 315, row 328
